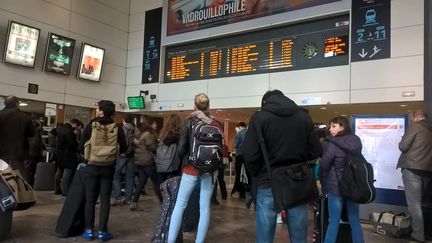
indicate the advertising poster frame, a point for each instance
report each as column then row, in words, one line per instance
column 91, row 62
column 51, row 54
column 190, row 15
column 21, row 45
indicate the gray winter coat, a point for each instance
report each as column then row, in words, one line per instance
column 416, row 147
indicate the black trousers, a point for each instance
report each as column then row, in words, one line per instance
column 144, row 173
column 222, row 185
column 98, row 183
column 30, row 170
column 238, row 186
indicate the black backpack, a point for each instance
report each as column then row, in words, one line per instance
column 206, row 146
column 357, row 181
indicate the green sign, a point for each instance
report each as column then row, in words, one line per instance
column 136, row 102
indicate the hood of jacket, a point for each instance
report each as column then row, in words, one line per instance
column 349, row 142
column 427, row 124
column 280, row 105
column 103, row 120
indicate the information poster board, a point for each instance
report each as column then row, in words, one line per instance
column 91, row 61
column 21, row 44
column 380, row 136
column 59, row 54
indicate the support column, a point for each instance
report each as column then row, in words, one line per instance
column 428, row 57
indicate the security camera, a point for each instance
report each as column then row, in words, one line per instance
column 152, row 97
column 123, row 105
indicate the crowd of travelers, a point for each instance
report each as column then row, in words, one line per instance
column 120, row 158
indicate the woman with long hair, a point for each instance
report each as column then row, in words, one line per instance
column 332, row 163
column 170, row 135
column 146, row 143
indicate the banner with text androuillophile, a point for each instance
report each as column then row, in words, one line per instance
column 189, row 15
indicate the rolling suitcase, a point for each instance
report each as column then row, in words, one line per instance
column 169, row 189
column 45, row 176
column 71, row 221
column 321, row 223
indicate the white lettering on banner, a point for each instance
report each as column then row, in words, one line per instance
column 213, row 12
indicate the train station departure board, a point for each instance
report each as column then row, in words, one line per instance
column 314, row 44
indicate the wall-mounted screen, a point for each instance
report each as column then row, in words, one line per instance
column 313, row 44
column 21, row 44
column 136, row 102
column 91, row 60
column 59, row 53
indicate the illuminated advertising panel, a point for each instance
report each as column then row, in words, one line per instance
column 21, row 44
column 91, row 62
column 59, row 54
column 189, row 15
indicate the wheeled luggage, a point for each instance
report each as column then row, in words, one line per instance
column 169, row 189
column 44, row 177
column 71, row 221
column 321, row 222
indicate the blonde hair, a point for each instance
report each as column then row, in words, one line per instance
column 202, row 102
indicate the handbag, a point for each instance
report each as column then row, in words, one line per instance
column 292, row 184
column 22, row 191
column 391, row 224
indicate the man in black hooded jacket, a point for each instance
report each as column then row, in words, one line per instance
column 290, row 138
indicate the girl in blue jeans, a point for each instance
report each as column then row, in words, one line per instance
column 332, row 165
column 187, row 184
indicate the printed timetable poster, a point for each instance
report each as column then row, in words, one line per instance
column 380, row 136
column 189, row 15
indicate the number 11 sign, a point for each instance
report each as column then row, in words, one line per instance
column 370, row 35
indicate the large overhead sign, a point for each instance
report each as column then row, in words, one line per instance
column 189, row 15
column 320, row 43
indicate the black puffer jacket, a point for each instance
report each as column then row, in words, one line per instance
column 289, row 136
column 67, row 147
column 333, row 160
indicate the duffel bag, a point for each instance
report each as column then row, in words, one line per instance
column 391, row 224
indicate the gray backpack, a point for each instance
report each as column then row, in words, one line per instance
column 167, row 159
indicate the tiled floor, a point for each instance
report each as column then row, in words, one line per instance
column 231, row 223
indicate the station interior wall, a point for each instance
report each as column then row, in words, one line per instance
column 118, row 26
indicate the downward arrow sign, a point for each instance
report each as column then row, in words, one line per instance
column 150, row 77
column 363, row 53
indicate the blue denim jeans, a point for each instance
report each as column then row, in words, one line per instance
column 123, row 163
column 297, row 218
column 335, row 206
column 187, row 185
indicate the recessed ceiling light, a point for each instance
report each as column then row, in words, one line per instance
column 403, row 105
column 323, row 108
column 343, row 115
column 21, row 103
column 219, row 110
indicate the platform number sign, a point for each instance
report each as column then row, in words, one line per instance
column 33, row 88
column 370, row 35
